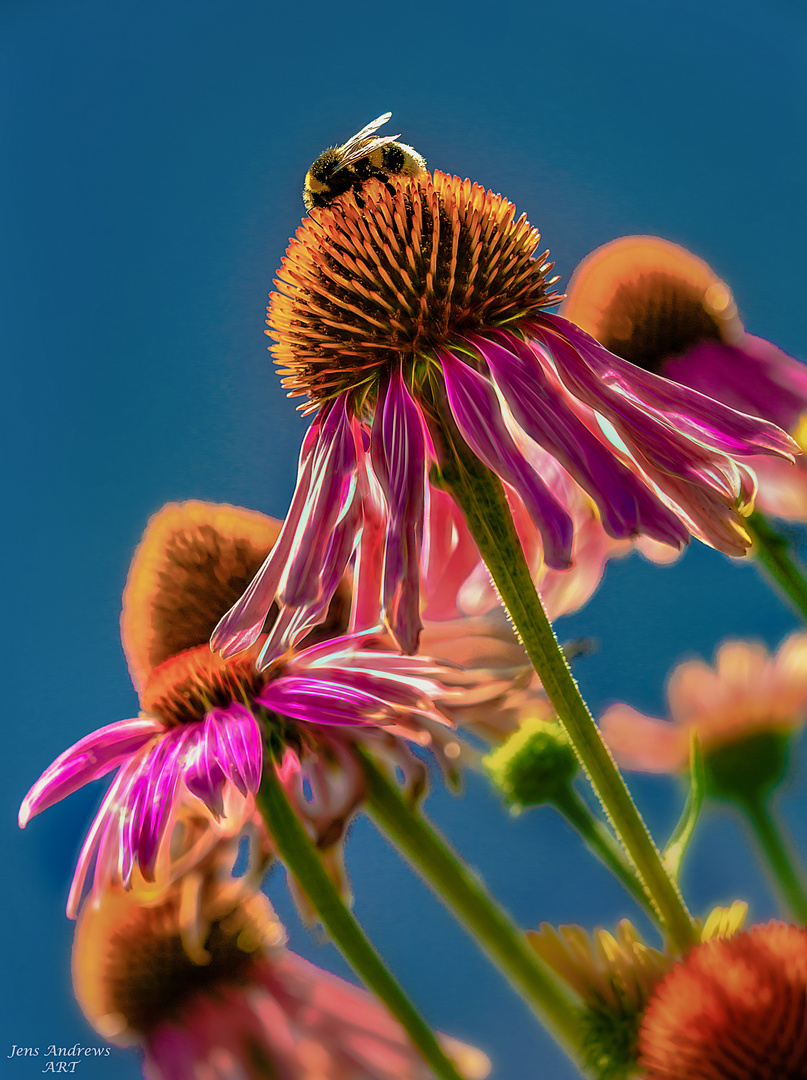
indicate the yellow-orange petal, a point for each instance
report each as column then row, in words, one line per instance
column 647, row 300
column 732, row 1009
column 194, row 561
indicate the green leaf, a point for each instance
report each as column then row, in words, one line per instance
column 682, row 835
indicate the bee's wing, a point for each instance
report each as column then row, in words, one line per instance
column 353, row 150
column 368, row 130
column 359, row 151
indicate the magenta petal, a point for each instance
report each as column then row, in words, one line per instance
column 398, row 454
column 239, row 747
column 101, row 822
column 160, row 794
column 242, row 624
column 398, row 450
column 333, row 487
column 628, row 395
column 476, row 410
column 395, row 692
column 322, row 701
column 754, row 377
column 203, row 775
column 626, row 504
column 90, row 758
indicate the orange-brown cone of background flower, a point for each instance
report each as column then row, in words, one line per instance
column 734, row 1009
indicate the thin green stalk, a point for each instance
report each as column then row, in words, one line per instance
column 778, row 856
column 481, row 497
column 600, row 841
column 298, row 852
column 464, row 894
column 773, row 552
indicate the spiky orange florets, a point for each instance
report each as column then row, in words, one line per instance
column 400, row 270
column 733, row 1009
column 183, row 688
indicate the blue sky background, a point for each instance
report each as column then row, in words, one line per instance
column 150, row 175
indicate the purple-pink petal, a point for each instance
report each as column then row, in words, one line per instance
column 630, row 396
column 333, row 487
column 398, row 454
column 160, row 793
column 753, row 377
column 90, row 758
column 626, row 504
column 103, row 821
column 397, row 693
column 323, row 701
column 242, row 624
column 204, row 776
column 476, row 410
column 239, row 745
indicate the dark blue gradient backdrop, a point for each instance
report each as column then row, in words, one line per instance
column 152, row 160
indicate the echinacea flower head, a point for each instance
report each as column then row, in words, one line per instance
column 412, row 317
column 241, row 1007
column 661, row 307
column 742, row 710
column 732, row 1009
column 208, row 726
column 614, row 976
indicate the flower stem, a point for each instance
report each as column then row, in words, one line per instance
column 772, row 551
column 298, row 852
column 480, row 495
column 778, row 855
column 599, row 840
column 462, row 891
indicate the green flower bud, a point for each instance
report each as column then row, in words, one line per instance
column 535, row 765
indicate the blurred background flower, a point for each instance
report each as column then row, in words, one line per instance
column 239, row 1005
column 153, row 167
column 733, row 1008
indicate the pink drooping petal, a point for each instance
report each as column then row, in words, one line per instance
column 333, row 487
column 449, row 557
column 398, row 454
column 651, row 405
column 204, row 775
column 239, row 746
column 242, row 624
column 708, row 510
column 640, row 742
column 476, row 410
column 90, row 758
column 368, row 566
column 397, row 692
column 752, row 376
column 321, row 701
column 159, row 793
column 628, row 507
column 105, row 819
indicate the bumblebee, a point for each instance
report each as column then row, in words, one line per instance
column 350, row 166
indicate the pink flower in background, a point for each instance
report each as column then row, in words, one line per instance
column 657, row 305
column 238, row 1005
column 746, row 692
column 417, row 318
column 200, row 738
